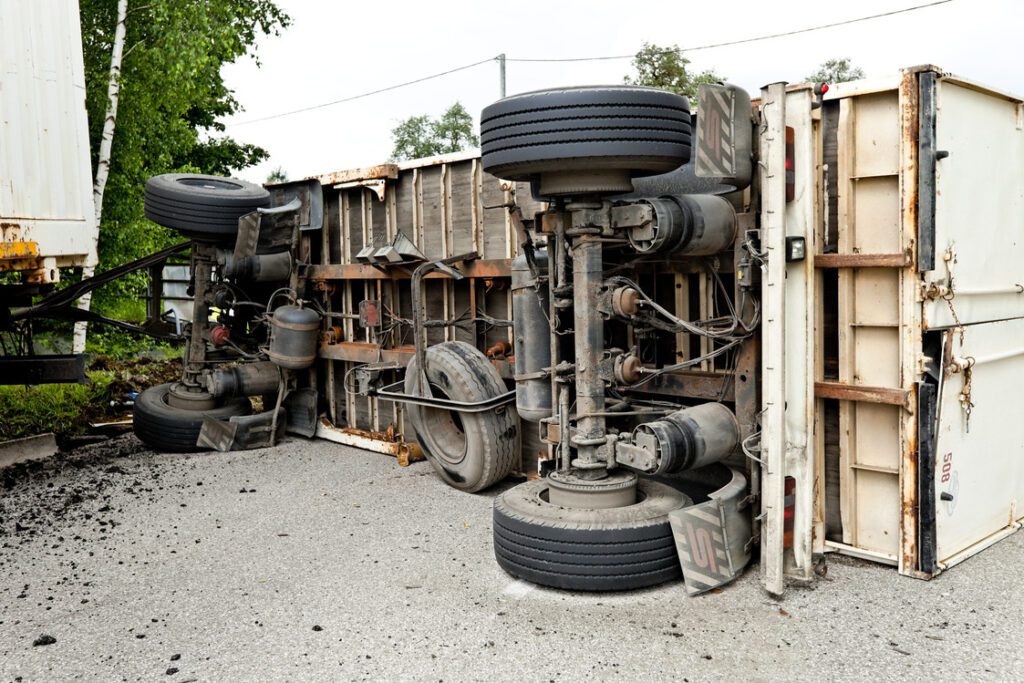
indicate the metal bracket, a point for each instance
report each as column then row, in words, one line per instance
column 60, row 305
column 376, row 185
column 419, row 310
column 389, row 394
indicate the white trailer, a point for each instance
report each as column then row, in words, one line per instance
column 46, row 206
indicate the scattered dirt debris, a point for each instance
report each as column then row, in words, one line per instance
column 44, row 640
column 37, row 496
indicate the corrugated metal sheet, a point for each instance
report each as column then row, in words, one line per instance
column 45, row 168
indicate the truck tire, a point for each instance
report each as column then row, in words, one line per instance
column 470, row 451
column 203, row 207
column 168, row 429
column 587, row 550
column 644, row 130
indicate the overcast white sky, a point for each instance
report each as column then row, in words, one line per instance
column 339, row 49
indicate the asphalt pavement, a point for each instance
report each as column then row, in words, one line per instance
column 313, row 561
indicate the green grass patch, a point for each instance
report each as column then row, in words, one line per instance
column 59, row 408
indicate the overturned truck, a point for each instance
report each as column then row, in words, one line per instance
column 766, row 326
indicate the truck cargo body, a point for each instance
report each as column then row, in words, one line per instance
column 46, row 205
column 902, row 331
column 885, row 378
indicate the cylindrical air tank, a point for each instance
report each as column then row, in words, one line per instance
column 532, row 339
column 249, row 379
column 294, row 332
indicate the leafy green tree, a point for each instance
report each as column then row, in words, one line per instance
column 277, row 176
column 836, row 71
column 667, row 68
column 422, row 136
column 172, row 98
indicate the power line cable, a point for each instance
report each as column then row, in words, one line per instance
column 585, row 59
column 365, row 94
column 738, row 42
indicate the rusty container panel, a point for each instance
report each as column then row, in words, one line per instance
column 446, row 206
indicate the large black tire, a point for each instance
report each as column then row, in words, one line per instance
column 165, row 428
column 587, row 550
column 203, row 207
column 470, row 451
column 643, row 130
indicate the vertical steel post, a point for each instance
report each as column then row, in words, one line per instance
column 587, row 276
column 559, row 387
column 203, row 258
column 773, row 336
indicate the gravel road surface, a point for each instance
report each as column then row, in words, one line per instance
column 313, row 561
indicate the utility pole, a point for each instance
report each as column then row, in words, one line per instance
column 501, row 72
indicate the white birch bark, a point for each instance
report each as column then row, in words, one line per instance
column 103, row 161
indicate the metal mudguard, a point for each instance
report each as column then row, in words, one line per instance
column 713, row 539
column 242, row 432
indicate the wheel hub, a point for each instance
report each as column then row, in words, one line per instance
column 181, row 397
column 603, row 181
column 617, row 490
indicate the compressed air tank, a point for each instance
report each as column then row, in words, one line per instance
column 294, row 332
column 532, row 339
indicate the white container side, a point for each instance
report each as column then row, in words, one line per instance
column 45, row 167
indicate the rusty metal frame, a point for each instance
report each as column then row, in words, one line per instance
column 60, row 305
column 899, row 260
column 857, row 392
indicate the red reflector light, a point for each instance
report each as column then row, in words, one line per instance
column 789, row 511
column 790, row 164
column 824, row 88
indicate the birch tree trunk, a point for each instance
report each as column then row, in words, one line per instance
column 103, row 161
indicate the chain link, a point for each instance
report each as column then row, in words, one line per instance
column 965, row 394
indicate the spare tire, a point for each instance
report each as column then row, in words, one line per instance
column 166, row 428
column 203, row 207
column 470, row 451
column 587, row 549
column 641, row 130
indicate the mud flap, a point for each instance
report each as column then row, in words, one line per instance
column 241, row 432
column 724, row 135
column 713, row 539
column 300, row 406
